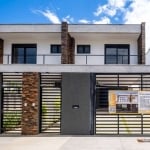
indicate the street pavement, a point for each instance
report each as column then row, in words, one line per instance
column 73, row 143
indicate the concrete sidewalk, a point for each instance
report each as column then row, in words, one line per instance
column 72, row 143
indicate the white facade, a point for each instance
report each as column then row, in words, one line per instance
column 94, row 35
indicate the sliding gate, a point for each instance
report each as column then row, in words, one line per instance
column 129, row 121
column 50, row 103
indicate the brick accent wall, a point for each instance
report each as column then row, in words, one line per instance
column 67, row 45
column 1, row 50
column 30, row 103
column 141, row 45
column 71, row 50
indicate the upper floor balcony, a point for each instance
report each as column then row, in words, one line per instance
column 80, row 59
column 78, row 44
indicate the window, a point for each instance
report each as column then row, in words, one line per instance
column 24, row 53
column 56, row 49
column 116, row 54
column 83, row 49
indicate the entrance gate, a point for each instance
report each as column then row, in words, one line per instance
column 50, row 103
column 125, row 122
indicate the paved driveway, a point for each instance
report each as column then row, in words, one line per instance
column 72, row 143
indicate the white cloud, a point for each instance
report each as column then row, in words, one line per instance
column 104, row 20
column 49, row 15
column 117, row 3
column 139, row 11
column 111, row 7
column 68, row 19
column 84, row 21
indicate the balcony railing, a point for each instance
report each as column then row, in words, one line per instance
column 101, row 59
column 79, row 59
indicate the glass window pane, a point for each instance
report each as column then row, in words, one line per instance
column 18, row 55
column 59, row 48
column 111, row 59
column 83, row 49
column 20, row 59
column 111, row 51
column 24, row 53
column 80, row 49
column 30, row 55
column 20, row 51
column 122, row 51
column 55, row 48
column 87, row 49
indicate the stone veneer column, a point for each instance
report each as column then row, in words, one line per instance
column 71, row 50
column 64, row 43
column 30, row 103
column 141, row 45
column 67, row 45
column 1, row 50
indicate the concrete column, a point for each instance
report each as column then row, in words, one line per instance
column 141, row 45
column 77, row 104
column 30, row 104
column 1, row 51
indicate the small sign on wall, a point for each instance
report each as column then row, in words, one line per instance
column 123, row 101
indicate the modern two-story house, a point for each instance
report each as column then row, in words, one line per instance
column 61, row 79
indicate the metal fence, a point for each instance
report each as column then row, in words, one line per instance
column 122, row 124
column 50, row 103
column 11, row 103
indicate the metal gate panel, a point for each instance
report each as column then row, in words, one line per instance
column 12, row 103
column 50, row 103
column 123, row 123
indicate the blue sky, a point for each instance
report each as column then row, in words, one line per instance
column 77, row 11
column 55, row 11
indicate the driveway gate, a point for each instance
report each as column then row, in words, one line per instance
column 125, row 122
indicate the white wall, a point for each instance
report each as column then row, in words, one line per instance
column 148, row 57
column 43, row 47
column 98, row 48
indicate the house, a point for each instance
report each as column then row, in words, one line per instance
column 58, row 79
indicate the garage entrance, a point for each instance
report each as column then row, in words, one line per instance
column 126, row 119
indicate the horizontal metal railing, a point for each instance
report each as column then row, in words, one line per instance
column 79, row 59
column 126, row 123
column 101, row 59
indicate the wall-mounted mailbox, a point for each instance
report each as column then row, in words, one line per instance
column 75, row 106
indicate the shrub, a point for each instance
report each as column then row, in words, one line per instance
column 11, row 120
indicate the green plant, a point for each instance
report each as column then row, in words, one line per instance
column 57, row 104
column 44, row 109
column 11, row 120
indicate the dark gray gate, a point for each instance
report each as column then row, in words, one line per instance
column 50, row 103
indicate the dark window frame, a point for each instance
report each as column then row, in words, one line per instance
column 58, row 48
column 117, row 46
column 84, row 49
column 14, row 58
